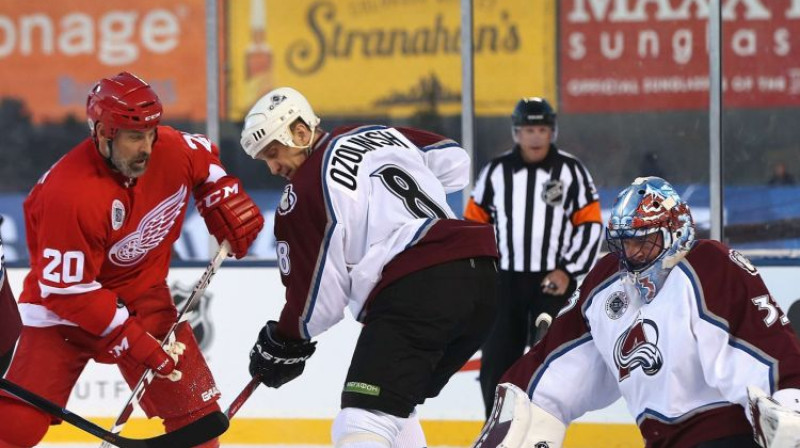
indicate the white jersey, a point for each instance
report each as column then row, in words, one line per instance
column 711, row 331
column 363, row 197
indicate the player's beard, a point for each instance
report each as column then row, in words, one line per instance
column 132, row 167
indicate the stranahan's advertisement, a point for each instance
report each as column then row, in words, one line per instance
column 631, row 55
column 53, row 52
column 391, row 58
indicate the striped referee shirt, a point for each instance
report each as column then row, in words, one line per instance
column 546, row 215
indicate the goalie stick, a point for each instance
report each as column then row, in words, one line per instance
column 149, row 374
column 200, row 431
column 242, row 397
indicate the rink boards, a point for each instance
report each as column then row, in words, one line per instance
column 238, row 303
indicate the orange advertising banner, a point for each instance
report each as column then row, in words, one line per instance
column 52, row 52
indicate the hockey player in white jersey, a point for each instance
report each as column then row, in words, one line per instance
column 679, row 327
column 364, row 223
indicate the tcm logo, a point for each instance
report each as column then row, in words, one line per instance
column 637, row 348
column 215, row 197
column 199, row 319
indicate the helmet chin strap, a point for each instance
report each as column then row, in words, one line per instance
column 309, row 148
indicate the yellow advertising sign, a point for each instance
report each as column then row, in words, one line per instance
column 389, row 57
column 52, row 52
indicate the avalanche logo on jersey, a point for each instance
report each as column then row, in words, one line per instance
column 288, row 200
column 553, row 193
column 150, row 232
column 637, row 347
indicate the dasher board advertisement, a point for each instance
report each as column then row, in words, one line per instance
column 378, row 58
column 640, row 55
column 52, row 52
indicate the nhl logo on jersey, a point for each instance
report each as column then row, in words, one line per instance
column 117, row 214
column 616, row 304
column 553, row 193
column 288, row 200
column 743, row 262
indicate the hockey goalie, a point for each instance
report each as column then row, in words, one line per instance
column 683, row 329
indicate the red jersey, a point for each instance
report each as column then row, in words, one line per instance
column 95, row 235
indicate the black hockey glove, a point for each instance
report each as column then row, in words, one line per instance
column 275, row 361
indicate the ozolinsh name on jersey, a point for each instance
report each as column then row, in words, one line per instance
column 350, row 153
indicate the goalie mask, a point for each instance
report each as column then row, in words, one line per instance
column 271, row 117
column 650, row 230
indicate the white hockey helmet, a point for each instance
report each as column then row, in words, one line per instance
column 269, row 119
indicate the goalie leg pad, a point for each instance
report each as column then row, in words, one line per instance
column 515, row 422
column 364, row 428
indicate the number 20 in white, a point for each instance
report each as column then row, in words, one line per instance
column 66, row 268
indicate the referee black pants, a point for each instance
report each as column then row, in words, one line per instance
column 520, row 301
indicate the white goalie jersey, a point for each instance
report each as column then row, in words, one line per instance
column 683, row 362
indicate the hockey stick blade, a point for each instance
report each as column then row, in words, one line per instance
column 149, row 374
column 200, row 431
column 242, row 397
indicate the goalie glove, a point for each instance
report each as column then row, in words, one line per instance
column 275, row 361
column 776, row 420
column 230, row 213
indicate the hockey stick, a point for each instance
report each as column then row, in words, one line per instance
column 543, row 322
column 242, row 397
column 149, row 374
column 199, row 431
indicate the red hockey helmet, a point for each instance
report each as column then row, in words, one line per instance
column 123, row 102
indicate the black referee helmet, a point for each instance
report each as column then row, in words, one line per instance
column 534, row 111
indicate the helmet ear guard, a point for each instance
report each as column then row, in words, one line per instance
column 270, row 119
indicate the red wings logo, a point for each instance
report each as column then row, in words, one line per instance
column 151, row 231
column 637, row 347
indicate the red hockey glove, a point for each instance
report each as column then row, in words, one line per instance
column 131, row 340
column 230, row 214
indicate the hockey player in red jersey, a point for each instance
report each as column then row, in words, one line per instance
column 680, row 328
column 364, row 224
column 100, row 227
column 10, row 323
